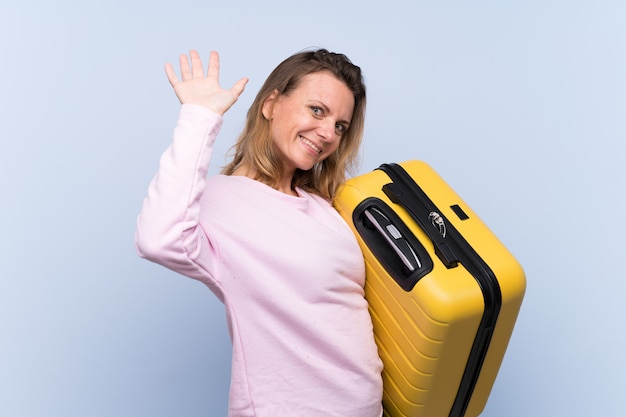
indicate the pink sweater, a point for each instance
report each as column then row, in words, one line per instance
column 290, row 274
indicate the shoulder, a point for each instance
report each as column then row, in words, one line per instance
column 223, row 184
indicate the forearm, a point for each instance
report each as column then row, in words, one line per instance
column 168, row 230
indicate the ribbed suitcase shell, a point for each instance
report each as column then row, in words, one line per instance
column 425, row 335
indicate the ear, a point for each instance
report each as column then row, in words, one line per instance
column 268, row 105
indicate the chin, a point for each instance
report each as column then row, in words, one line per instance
column 305, row 168
column 306, row 165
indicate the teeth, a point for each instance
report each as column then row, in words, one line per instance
column 311, row 144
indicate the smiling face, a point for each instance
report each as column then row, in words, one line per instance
column 306, row 125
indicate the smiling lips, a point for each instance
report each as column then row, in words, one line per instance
column 311, row 145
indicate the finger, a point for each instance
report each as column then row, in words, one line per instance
column 213, row 71
column 196, row 64
column 171, row 74
column 185, row 72
column 238, row 87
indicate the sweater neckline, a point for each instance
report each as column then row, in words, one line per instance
column 300, row 200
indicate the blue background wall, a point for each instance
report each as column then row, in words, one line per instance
column 519, row 105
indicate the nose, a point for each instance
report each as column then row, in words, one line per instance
column 326, row 130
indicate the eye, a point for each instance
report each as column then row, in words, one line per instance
column 317, row 111
column 340, row 128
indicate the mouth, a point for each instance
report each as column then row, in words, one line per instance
column 311, row 145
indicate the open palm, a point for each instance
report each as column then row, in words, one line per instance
column 195, row 87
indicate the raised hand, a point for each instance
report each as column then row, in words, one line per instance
column 204, row 90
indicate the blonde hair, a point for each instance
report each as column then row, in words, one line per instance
column 254, row 147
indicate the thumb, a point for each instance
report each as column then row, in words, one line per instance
column 238, row 87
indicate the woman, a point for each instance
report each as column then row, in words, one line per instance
column 263, row 235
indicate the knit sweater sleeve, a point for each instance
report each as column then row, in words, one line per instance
column 168, row 229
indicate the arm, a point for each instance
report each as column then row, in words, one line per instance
column 167, row 228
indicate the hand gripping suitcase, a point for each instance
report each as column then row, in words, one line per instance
column 443, row 292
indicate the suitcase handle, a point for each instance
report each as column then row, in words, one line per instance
column 391, row 242
column 394, row 238
column 429, row 219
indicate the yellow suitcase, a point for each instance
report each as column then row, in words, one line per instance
column 443, row 291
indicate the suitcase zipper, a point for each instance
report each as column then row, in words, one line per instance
column 452, row 249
